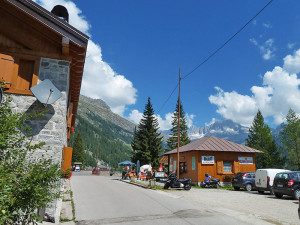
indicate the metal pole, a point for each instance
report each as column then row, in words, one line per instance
column 178, row 141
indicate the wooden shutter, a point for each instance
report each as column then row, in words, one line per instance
column 25, row 74
column 219, row 167
column 236, row 167
column 6, row 68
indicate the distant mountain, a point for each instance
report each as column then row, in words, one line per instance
column 226, row 129
column 102, row 131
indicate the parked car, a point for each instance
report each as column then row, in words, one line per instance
column 244, row 180
column 264, row 179
column 77, row 168
column 287, row 183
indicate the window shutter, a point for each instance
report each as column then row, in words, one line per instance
column 25, row 74
column 219, row 167
column 236, row 167
column 6, row 68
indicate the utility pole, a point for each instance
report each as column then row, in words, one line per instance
column 178, row 140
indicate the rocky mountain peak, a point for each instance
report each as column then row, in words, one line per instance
column 96, row 102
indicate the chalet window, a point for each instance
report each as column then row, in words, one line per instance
column 227, row 167
column 193, row 162
column 19, row 73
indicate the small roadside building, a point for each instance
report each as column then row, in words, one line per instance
column 38, row 46
column 212, row 155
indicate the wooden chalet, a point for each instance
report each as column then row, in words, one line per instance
column 212, row 155
column 37, row 45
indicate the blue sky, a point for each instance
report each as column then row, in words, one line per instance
column 137, row 47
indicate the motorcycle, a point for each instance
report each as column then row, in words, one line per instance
column 173, row 182
column 215, row 183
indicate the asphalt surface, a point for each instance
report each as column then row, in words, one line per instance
column 107, row 200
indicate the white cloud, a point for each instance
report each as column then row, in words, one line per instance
column 267, row 25
column 164, row 123
column 267, row 49
column 291, row 45
column 253, row 41
column 135, row 116
column 99, row 79
column 279, row 92
column 292, row 62
column 189, row 119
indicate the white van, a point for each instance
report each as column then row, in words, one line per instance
column 264, row 179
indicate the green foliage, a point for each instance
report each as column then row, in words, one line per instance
column 184, row 138
column 110, row 141
column 146, row 144
column 25, row 185
column 260, row 138
column 290, row 138
column 78, row 154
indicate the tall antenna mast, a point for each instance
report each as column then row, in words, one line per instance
column 178, row 141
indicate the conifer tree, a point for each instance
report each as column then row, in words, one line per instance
column 147, row 142
column 173, row 139
column 290, row 138
column 260, row 138
column 78, row 152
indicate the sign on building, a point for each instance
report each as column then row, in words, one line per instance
column 246, row 160
column 208, row 160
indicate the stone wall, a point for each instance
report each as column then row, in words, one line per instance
column 52, row 127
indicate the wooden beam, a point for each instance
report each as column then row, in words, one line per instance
column 65, row 46
column 21, row 52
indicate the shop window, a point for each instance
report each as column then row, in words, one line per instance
column 175, row 166
column 19, row 73
column 227, row 167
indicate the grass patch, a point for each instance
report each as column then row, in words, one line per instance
column 64, row 220
column 226, row 187
column 156, row 187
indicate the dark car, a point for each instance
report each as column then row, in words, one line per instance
column 287, row 183
column 244, row 180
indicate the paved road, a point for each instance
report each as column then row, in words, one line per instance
column 107, row 200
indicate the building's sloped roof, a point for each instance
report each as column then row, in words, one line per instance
column 212, row 143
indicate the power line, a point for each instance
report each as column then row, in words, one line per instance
column 226, row 42
column 167, row 99
column 215, row 52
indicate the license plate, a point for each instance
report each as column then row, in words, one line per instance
column 279, row 185
column 234, row 179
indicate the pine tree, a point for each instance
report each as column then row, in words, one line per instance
column 173, row 139
column 260, row 138
column 290, row 138
column 146, row 144
column 78, row 153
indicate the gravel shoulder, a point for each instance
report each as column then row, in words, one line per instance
column 263, row 206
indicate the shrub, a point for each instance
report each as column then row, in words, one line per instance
column 25, row 185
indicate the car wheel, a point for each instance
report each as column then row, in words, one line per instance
column 248, row 187
column 297, row 194
column 236, row 188
column 278, row 195
column 261, row 192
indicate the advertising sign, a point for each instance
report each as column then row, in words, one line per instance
column 246, row 160
column 210, row 160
